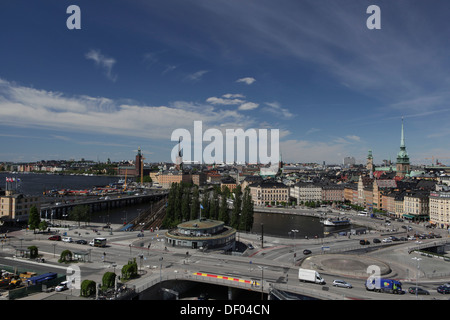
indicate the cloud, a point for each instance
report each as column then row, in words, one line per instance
column 312, row 130
column 222, row 101
column 28, row 107
column 106, row 63
column 247, row 80
column 248, row 106
column 233, row 95
column 196, row 76
column 276, row 109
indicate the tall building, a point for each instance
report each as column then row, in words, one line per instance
column 403, row 165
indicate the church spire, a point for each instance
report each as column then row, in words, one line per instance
column 402, row 141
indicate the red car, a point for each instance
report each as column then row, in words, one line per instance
column 55, row 238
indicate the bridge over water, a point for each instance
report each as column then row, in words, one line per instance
column 61, row 209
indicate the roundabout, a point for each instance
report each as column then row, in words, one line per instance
column 346, row 265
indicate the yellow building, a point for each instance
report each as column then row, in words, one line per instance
column 16, row 206
column 440, row 209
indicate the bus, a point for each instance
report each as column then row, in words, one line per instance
column 98, row 242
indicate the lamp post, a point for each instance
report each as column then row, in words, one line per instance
column 262, row 281
column 417, row 275
column 295, row 231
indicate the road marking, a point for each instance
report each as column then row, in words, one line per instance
column 226, row 278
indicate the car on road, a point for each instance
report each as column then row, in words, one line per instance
column 417, row 290
column 62, row 286
column 444, row 289
column 250, row 246
column 67, row 239
column 342, row 284
column 387, row 240
column 306, row 251
column 364, row 242
column 376, row 240
column 81, row 241
column 55, row 238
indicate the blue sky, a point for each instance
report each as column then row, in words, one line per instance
column 137, row 70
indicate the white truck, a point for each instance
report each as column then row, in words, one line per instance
column 310, row 276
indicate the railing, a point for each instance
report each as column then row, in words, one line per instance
column 320, row 292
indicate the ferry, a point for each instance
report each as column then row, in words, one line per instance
column 333, row 222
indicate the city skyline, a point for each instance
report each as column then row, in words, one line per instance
column 137, row 71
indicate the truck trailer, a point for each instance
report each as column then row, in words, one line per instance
column 308, row 275
column 384, row 285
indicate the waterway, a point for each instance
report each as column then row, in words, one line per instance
column 36, row 183
column 271, row 224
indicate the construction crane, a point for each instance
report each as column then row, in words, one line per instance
column 437, row 158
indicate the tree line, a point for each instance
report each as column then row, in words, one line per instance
column 186, row 202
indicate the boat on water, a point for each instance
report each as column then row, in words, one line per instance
column 333, row 222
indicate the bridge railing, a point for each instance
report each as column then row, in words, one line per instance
column 320, row 292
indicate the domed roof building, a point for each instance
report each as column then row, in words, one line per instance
column 202, row 233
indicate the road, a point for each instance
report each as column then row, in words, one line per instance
column 276, row 257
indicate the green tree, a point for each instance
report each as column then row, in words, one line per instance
column 87, row 288
column 195, row 204
column 66, row 256
column 80, row 214
column 130, row 270
column 34, row 252
column 108, row 280
column 223, row 210
column 205, row 205
column 246, row 221
column 43, row 225
column 214, row 205
column 185, row 205
column 34, row 219
column 237, row 207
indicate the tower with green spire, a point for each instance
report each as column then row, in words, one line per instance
column 403, row 165
column 369, row 164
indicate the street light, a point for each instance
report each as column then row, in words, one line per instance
column 262, row 281
column 417, row 275
column 295, row 231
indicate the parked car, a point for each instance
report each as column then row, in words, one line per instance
column 62, row 286
column 417, row 290
column 67, row 239
column 81, row 241
column 55, row 238
column 342, row 284
column 306, row 251
column 444, row 289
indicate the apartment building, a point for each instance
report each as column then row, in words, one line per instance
column 440, row 208
column 16, row 206
column 269, row 192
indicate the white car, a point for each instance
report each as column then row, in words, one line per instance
column 386, row 240
column 67, row 239
column 62, row 286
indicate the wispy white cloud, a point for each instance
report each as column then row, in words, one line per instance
column 106, row 63
column 196, row 76
column 224, row 101
column 25, row 107
column 246, row 80
column 248, row 106
column 276, row 109
column 312, row 130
